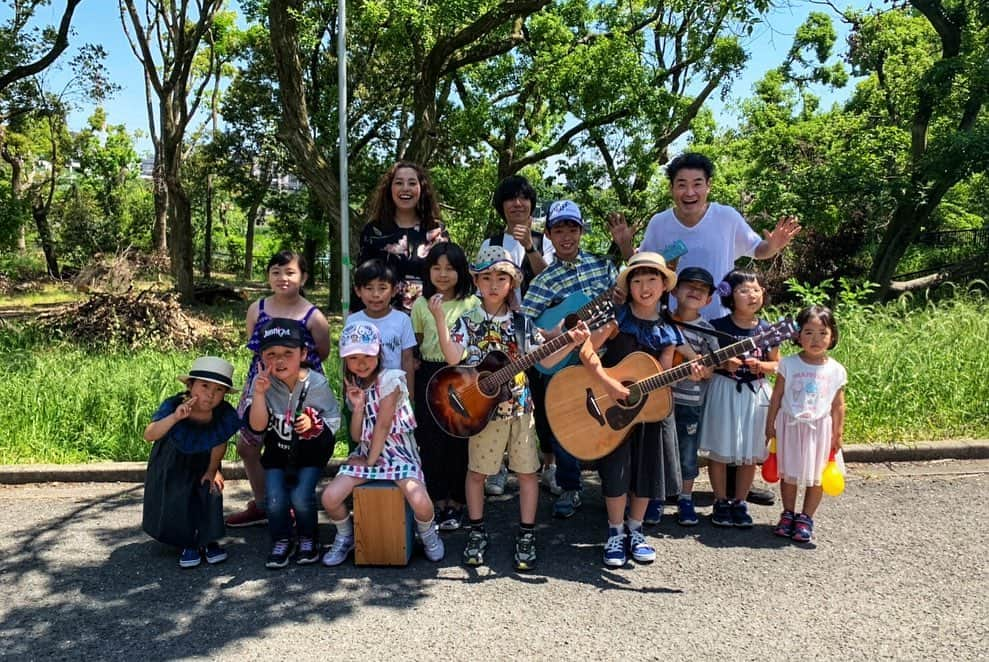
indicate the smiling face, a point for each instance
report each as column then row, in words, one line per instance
column 376, row 297
column 690, row 188
column 494, row 288
column 517, row 210
column 362, row 365
column 286, row 279
column 405, row 189
column 284, row 362
column 645, row 286
column 208, row 394
column 691, row 295
column 566, row 240
column 443, row 276
column 814, row 339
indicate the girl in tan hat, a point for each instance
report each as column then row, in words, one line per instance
column 646, row 465
column 183, row 505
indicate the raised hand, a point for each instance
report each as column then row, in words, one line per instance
column 355, row 395
column 262, row 381
column 618, row 226
column 786, row 229
column 184, row 409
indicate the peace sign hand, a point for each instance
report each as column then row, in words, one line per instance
column 262, row 382
column 184, row 409
column 355, row 395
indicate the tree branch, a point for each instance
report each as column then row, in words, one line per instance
column 58, row 46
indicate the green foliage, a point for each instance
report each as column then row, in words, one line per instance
column 21, row 267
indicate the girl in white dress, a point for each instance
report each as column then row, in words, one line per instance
column 807, row 416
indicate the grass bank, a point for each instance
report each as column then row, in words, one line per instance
column 917, row 371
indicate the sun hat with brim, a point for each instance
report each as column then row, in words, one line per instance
column 647, row 260
column 360, row 338
column 211, row 369
column 496, row 258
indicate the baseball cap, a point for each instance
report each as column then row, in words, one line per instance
column 281, row 332
column 564, row 211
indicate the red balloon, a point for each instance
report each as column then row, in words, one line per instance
column 770, row 469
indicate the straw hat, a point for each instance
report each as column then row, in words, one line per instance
column 649, row 260
column 211, row 369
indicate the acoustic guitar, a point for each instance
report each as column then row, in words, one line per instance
column 462, row 399
column 590, row 424
column 581, row 305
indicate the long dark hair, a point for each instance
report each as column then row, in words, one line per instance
column 382, row 211
column 458, row 260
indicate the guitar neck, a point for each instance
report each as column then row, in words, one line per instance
column 683, row 371
column 523, row 363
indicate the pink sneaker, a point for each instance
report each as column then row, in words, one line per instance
column 250, row 516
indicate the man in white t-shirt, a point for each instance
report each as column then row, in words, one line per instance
column 514, row 200
column 715, row 235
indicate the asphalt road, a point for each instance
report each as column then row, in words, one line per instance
column 898, row 571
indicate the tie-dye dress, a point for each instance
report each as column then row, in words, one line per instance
column 399, row 458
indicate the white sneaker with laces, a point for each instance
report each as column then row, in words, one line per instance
column 339, row 551
column 432, row 544
column 548, row 480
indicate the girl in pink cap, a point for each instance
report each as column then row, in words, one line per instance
column 384, row 423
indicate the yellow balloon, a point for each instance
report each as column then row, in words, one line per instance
column 832, row 482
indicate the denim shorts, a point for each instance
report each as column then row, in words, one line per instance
column 688, row 419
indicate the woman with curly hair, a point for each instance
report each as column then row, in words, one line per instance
column 404, row 223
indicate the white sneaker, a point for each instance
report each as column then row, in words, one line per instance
column 548, row 480
column 432, row 545
column 495, row 484
column 339, row 551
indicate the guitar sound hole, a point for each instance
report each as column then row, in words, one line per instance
column 488, row 392
column 634, row 395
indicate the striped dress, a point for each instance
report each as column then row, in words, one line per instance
column 399, row 458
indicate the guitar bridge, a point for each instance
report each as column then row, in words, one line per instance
column 593, row 409
column 456, row 402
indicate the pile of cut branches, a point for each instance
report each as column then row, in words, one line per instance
column 128, row 320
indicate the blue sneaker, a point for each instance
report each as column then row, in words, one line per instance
column 803, row 528
column 614, row 548
column 567, row 505
column 190, row 557
column 740, row 515
column 686, row 515
column 721, row 514
column 642, row 552
column 215, row 553
column 654, row 512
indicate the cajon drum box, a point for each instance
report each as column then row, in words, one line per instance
column 383, row 524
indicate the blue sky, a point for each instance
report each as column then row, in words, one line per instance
column 98, row 21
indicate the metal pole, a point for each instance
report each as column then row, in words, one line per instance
column 344, row 182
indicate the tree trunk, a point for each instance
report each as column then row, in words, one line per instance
column 40, row 214
column 208, row 231
column 252, row 219
column 180, row 244
column 159, row 229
